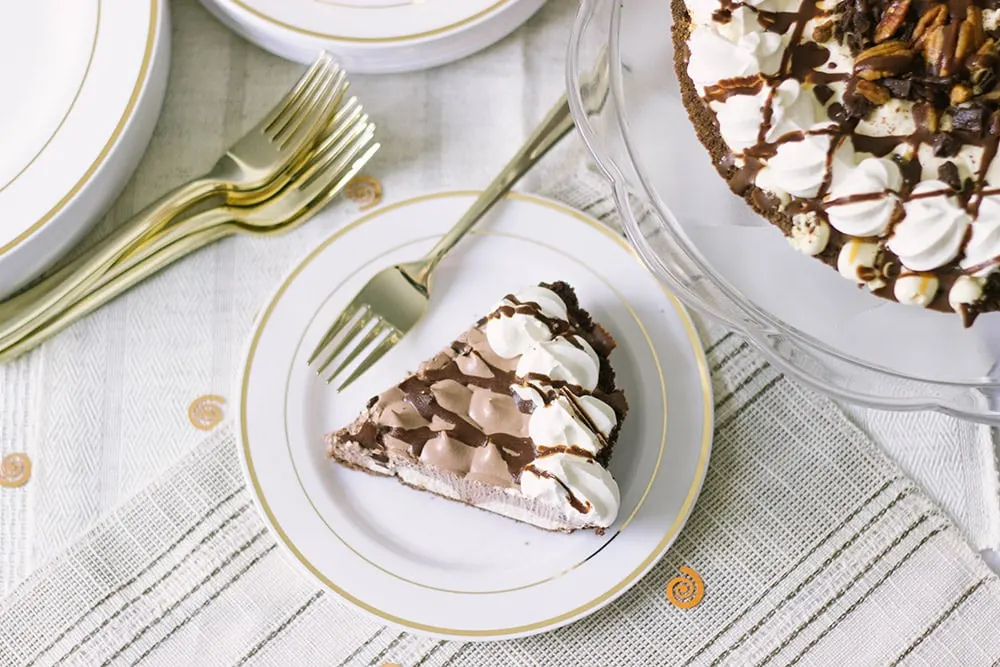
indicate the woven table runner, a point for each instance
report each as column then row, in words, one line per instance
column 810, row 545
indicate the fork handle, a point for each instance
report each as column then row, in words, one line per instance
column 166, row 254
column 554, row 127
column 19, row 311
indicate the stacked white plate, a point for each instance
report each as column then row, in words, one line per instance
column 374, row 36
column 83, row 83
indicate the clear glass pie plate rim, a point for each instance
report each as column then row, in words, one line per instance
column 605, row 129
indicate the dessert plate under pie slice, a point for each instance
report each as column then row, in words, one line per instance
column 425, row 563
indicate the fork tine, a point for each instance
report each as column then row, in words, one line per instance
column 338, row 325
column 320, row 68
column 387, row 344
column 355, row 330
column 315, row 114
column 380, row 328
column 334, row 152
column 293, row 110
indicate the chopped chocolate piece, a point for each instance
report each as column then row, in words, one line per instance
column 945, row 145
column 838, row 113
column 948, row 173
column 969, row 117
column 995, row 123
column 900, row 88
column 823, row 93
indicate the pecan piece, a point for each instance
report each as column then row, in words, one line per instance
column 934, row 16
column 965, row 43
column 974, row 17
column 873, row 92
column 960, row 93
column 892, row 20
column 934, row 54
column 883, row 60
column 823, row 32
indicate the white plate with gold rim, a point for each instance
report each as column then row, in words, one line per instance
column 424, row 563
column 83, row 83
column 374, row 36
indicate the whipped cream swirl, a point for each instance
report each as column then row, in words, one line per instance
column 512, row 334
column 983, row 250
column 564, row 422
column 569, row 359
column 581, row 486
column 931, row 234
column 741, row 116
column 568, row 431
column 874, row 185
column 740, row 48
column 798, row 168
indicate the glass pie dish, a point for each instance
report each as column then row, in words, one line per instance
column 724, row 260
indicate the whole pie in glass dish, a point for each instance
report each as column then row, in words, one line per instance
column 866, row 130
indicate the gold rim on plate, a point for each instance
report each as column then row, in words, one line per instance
column 369, row 40
column 605, row 543
column 72, row 103
column 154, row 19
column 682, row 515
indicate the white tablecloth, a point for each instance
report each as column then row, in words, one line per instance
column 101, row 409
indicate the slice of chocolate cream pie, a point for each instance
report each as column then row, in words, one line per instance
column 518, row 416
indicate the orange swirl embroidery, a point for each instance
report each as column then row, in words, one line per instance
column 364, row 190
column 205, row 412
column 15, row 470
column 686, row 591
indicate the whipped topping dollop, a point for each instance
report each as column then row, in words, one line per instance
column 915, row 289
column 580, row 485
column 856, row 262
column 744, row 49
column 931, row 233
column 564, row 422
column 798, row 168
column 810, row 233
column 873, row 185
column 511, row 333
column 982, row 253
column 570, row 359
column 966, row 291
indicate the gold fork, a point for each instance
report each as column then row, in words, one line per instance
column 338, row 159
column 252, row 169
column 391, row 303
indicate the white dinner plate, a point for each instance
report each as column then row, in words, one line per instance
column 428, row 564
column 82, row 82
column 374, row 36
